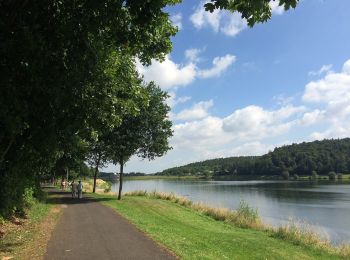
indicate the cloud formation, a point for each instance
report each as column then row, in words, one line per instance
column 332, row 96
column 219, row 21
column 177, row 20
column 197, row 111
column 168, row 74
column 220, row 64
column 322, row 70
column 224, row 21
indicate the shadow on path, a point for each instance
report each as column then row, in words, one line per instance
column 64, row 197
column 89, row 230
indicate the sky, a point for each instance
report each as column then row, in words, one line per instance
column 237, row 91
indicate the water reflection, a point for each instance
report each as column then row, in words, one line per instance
column 326, row 205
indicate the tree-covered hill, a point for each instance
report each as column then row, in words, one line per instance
column 318, row 157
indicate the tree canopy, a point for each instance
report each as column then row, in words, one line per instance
column 320, row 157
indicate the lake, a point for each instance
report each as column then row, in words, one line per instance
column 323, row 205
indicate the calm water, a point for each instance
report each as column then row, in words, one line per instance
column 325, row 206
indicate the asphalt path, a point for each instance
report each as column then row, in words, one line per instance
column 89, row 230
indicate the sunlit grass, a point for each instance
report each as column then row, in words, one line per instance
column 195, row 234
column 296, row 232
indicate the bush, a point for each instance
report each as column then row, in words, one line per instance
column 107, row 186
column 285, row 175
column 332, row 176
column 340, row 176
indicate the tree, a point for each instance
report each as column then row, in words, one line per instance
column 97, row 157
column 145, row 135
column 53, row 82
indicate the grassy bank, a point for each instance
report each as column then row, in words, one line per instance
column 191, row 231
column 26, row 237
column 101, row 185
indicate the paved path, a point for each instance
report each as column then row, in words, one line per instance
column 89, row 230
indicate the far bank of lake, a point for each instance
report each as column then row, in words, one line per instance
column 324, row 205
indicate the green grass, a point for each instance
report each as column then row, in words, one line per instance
column 193, row 235
column 21, row 235
column 17, row 237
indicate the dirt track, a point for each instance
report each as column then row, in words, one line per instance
column 89, row 230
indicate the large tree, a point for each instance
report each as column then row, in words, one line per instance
column 145, row 134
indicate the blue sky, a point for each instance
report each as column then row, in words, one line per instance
column 243, row 91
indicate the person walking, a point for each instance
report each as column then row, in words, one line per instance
column 74, row 188
column 80, row 190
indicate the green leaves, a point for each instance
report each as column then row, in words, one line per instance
column 254, row 11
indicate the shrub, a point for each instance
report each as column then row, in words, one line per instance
column 296, row 177
column 340, row 176
column 245, row 216
column 332, row 176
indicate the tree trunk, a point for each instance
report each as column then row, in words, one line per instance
column 7, row 149
column 96, row 171
column 120, row 180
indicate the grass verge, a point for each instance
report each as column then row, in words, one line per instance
column 192, row 231
column 26, row 238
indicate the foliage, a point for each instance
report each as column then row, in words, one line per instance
column 320, row 157
column 145, row 134
column 56, row 81
column 332, row 175
column 254, row 11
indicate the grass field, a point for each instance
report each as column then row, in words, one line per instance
column 26, row 238
column 193, row 235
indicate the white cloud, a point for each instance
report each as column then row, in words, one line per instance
column 199, row 134
column 168, row 74
column 275, row 8
column 324, row 69
column 220, row 64
column 234, row 24
column 192, row 54
column 254, row 122
column 177, row 20
column 197, row 111
column 219, row 20
column 200, row 18
column 313, row 117
column 334, row 87
column 332, row 96
column 172, row 100
column 251, row 148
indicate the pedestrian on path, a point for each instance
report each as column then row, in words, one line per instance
column 74, row 188
column 80, row 190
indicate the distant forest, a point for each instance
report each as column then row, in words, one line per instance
column 318, row 157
